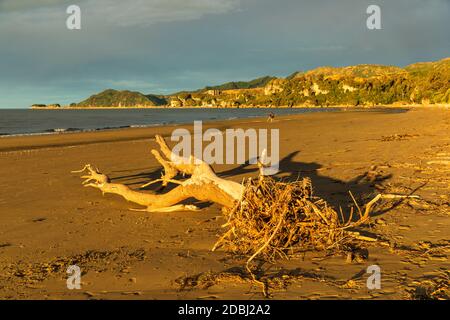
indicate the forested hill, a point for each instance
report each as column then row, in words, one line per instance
column 362, row 85
column 114, row 98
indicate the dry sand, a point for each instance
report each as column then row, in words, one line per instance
column 48, row 221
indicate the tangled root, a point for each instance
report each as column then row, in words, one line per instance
column 275, row 218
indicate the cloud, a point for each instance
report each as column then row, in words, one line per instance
column 162, row 46
column 127, row 84
column 118, row 12
column 24, row 5
column 147, row 12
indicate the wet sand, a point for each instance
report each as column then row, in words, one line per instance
column 48, row 221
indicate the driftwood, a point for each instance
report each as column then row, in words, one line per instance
column 265, row 218
column 203, row 184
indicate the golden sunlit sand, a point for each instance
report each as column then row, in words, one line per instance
column 48, row 221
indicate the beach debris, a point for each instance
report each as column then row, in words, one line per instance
column 433, row 287
column 203, row 184
column 277, row 280
column 275, row 218
column 23, row 273
column 357, row 255
column 267, row 219
column 398, row 137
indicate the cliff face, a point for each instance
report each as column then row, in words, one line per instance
column 367, row 85
column 364, row 85
column 274, row 86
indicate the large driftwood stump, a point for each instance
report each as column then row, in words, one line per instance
column 266, row 218
column 203, row 184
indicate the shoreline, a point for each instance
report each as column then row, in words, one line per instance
column 249, row 107
column 33, row 141
column 72, row 130
column 74, row 138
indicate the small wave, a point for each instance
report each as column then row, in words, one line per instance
column 62, row 130
column 182, row 118
column 44, row 133
column 147, row 125
column 26, row 134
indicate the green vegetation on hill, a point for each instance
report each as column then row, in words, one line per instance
column 114, row 98
column 256, row 83
column 361, row 71
column 421, row 83
column 157, row 100
column 362, row 85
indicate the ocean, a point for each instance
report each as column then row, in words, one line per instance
column 30, row 122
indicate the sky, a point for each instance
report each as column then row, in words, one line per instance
column 164, row 46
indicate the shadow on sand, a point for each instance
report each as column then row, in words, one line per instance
column 334, row 191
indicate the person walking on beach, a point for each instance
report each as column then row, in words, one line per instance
column 271, row 117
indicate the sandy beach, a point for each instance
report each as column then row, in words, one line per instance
column 48, row 221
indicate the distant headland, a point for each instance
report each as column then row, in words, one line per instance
column 423, row 83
